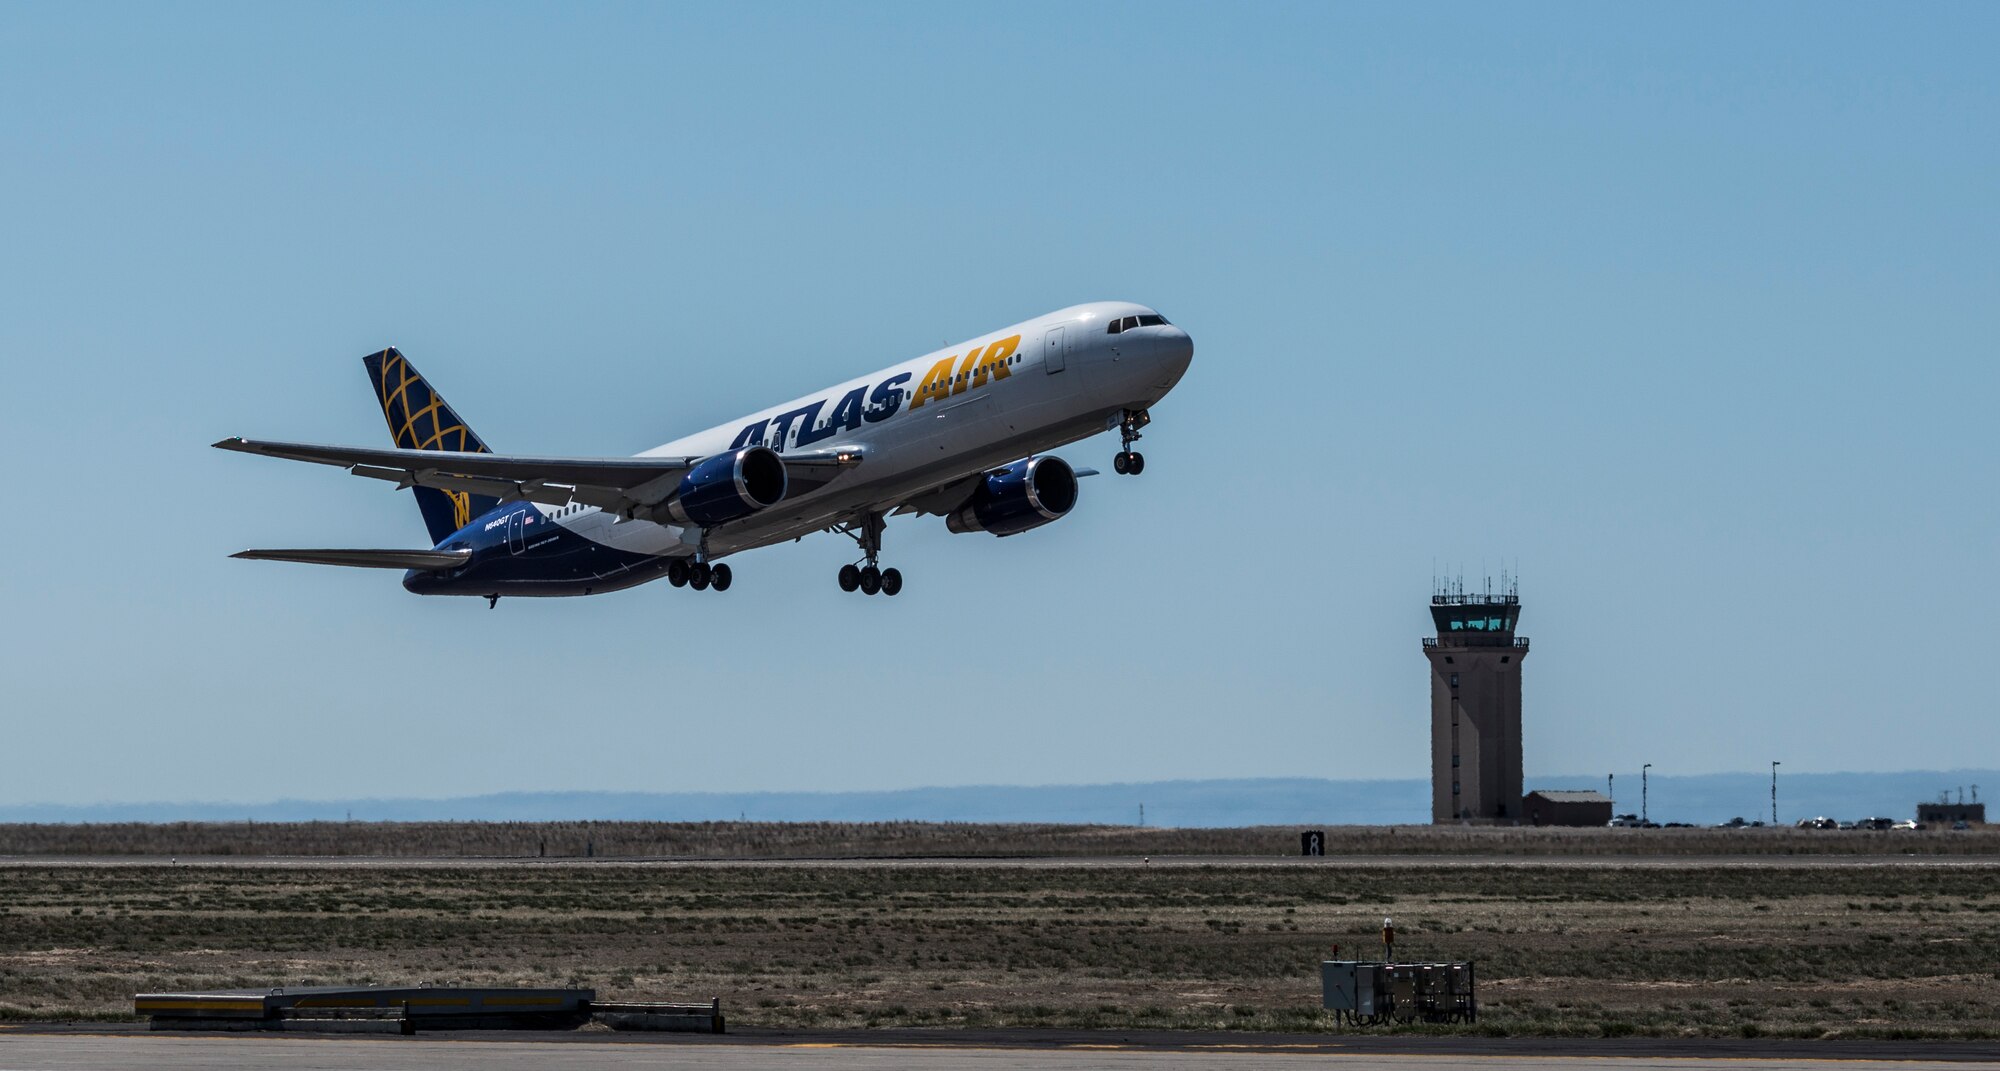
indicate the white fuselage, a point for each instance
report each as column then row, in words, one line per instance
column 1025, row 389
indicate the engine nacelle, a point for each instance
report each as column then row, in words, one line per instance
column 1027, row 494
column 729, row 487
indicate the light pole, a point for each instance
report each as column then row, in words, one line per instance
column 1644, row 817
column 1774, row 792
column 1611, row 780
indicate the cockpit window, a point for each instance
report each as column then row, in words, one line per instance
column 1127, row 323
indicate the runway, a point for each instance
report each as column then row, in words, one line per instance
column 58, row 1049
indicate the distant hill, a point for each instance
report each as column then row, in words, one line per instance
column 1704, row 799
column 1167, row 803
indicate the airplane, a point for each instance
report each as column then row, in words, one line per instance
column 962, row 433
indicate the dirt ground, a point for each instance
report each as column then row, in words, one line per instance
column 1781, row 948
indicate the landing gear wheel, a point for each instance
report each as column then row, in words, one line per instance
column 866, row 576
column 699, row 575
column 1128, row 462
column 719, row 577
column 677, row 572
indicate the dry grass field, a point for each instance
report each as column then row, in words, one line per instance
column 850, row 840
column 1786, row 947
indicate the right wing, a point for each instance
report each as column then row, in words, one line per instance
column 434, row 560
column 620, row 485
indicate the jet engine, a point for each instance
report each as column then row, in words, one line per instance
column 1027, row 494
column 729, row 487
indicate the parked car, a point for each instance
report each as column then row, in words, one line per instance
column 1960, row 824
column 1875, row 823
column 1907, row 824
column 1734, row 823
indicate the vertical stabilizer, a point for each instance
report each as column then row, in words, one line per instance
column 419, row 419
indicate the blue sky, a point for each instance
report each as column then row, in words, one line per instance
column 1687, row 314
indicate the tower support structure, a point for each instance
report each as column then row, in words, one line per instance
column 1475, row 660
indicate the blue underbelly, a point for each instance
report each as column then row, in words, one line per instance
column 555, row 562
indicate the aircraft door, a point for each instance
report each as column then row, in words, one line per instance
column 1052, row 350
column 515, row 537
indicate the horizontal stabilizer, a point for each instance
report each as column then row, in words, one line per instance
column 367, row 559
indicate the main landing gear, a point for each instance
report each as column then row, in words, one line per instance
column 870, row 578
column 698, row 574
column 1130, row 462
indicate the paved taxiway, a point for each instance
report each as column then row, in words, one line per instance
column 76, row 1050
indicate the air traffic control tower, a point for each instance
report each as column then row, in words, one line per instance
column 1475, row 706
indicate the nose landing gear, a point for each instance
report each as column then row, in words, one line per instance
column 1130, row 462
column 869, row 579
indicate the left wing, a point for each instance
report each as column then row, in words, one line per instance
column 623, row 485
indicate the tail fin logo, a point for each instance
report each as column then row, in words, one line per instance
column 417, row 415
column 419, row 419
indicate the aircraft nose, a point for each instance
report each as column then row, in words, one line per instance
column 1176, row 347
